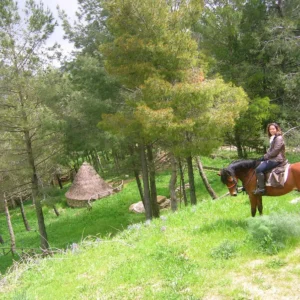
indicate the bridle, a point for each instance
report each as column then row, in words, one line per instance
column 235, row 183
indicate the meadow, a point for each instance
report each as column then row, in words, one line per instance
column 213, row 250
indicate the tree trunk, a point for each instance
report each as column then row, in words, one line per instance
column 13, row 203
column 153, row 190
column 40, row 216
column 25, row 221
column 245, row 153
column 59, row 181
column 116, row 162
column 136, row 174
column 238, row 143
column 73, row 173
column 139, row 185
column 182, row 183
column 172, row 184
column 189, row 161
column 10, row 228
column 147, row 204
column 98, row 161
column 35, row 189
column 34, row 186
column 204, row 179
column 56, row 211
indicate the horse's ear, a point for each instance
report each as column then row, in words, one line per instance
column 219, row 173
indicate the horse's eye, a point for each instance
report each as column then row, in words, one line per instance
column 230, row 179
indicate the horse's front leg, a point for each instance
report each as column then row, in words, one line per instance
column 260, row 205
column 253, row 203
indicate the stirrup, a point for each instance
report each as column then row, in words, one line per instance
column 259, row 191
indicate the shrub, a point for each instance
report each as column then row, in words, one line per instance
column 225, row 250
column 271, row 233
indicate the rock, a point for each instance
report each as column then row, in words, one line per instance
column 165, row 204
column 161, row 199
column 137, row 207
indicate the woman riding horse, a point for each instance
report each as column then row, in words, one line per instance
column 273, row 158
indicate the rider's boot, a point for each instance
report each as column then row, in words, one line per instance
column 260, row 190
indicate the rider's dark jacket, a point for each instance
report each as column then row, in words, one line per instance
column 276, row 152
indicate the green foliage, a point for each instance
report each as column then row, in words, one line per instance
column 89, row 29
column 28, row 127
column 259, row 111
column 225, row 250
column 253, row 44
column 209, row 109
column 272, row 233
column 150, row 40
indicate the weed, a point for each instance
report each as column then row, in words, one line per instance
column 225, row 250
column 276, row 263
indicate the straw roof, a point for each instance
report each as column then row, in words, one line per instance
column 87, row 185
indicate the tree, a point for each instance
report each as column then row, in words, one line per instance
column 24, row 117
column 196, row 116
column 254, row 44
column 153, row 52
column 93, row 91
column 10, row 227
column 260, row 110
column 150, row 40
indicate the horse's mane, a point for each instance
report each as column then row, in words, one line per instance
column 236, row 166
column 243, row 164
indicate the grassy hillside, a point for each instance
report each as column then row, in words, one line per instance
column 210, row 251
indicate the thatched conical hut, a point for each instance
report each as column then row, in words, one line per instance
column 87, row 186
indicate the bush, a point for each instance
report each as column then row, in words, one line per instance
column 271, row 233
column 225, row 250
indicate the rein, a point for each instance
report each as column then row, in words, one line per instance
column 235, row 184
column 249, row 180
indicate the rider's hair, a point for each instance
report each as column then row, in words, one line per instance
column 279, row 132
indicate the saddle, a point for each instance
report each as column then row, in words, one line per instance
column 277, row 176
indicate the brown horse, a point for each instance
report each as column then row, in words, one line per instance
column 244, row 170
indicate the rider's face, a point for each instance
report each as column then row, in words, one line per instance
column 272, row 130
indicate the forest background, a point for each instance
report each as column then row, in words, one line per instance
column 176, row 77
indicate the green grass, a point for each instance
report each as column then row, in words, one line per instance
column 108, row 217
column 211, row 250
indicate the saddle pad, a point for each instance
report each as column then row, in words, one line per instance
column 286, row 172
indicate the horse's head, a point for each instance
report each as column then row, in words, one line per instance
column 229, row 178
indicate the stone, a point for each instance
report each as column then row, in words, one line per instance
column 161, row 199
column 137, row 207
